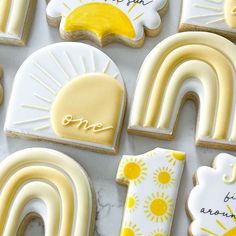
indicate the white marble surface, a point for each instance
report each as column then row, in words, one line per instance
column 102, row 168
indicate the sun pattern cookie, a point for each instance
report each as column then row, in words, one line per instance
column 46, row 184
column 69, row 93
column 105, row 21
column 218, row 16
column 15, row 20
column 153, row 181
column 190, row 65
column 211, row 203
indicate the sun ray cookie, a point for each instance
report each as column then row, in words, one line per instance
column 16, row 17
column 46, row 184
column 190, row 65
column 153, row 181
column 69, row 93
column 211, row 203
column 218, row 16
column 102, row 21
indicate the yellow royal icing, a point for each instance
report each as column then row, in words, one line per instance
column 187, row 64
column 5, row 6
column 53, row 178
column 230, row 13
column 153, row 179
column 100, row 18
column 88, row 108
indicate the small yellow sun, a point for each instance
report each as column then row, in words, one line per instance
column 132, row 202
column 158, row 232
column 175, row 156
column 158, row 207
column 130, row 229
column 163, row 177
column 132, row 169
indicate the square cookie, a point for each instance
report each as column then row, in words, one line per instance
column 217, row 16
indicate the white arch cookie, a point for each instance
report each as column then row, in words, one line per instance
column 191, row 65
column 211, row 203
column 69, row 93
column 104, row 21
column 153, row 181
column 47, row 184
column 217, row 16
column 15, row 20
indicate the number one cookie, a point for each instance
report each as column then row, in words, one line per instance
column 153, row 179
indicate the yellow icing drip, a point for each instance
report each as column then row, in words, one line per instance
column 100, row 18
column 94, row 103
column 230, row 13
column 5, row 6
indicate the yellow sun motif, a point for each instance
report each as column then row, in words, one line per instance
column 163, row 177
column 132, row 169
column 158, row 207
column 175, row 156
column 158, row 232
column 130, row 229
column 132, row 202
column 227, row 232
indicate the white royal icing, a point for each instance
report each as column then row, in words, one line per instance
column 153, row 181
column 141, row 13
column 206, row 13
column 212, row 201
column 38, row 82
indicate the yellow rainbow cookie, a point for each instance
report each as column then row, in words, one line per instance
column 15, row 20
column 218, row 16
column 153, row 181
column 47, row 184
column 211, row 203
column 195, row 66
column 69, row 93
column 105, row 21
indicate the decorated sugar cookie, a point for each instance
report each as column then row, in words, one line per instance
column 15, row 20
column 211, row 203
column 217, row 16
column 46, row 184
column 69, row 93
column 191, row 65
column 105, row 21
column 153, row 181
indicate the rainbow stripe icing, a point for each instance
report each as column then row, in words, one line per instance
column 211, row 203
column 153, row 181
column 192, row 65
column 50, row 185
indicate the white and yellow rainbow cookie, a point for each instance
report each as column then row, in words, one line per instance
column 211, row 203
column 47, row 184
column 16, row 17
column 218, row 16
column 69, row 93
column 153, row 181
column 106, row 21
column 190, row 65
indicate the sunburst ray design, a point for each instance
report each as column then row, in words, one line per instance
column 158, row 207
column 51, row 72
column 130, row 229
column 164, row 177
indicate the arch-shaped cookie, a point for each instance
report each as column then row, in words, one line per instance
column 77, row 94
column 103, row 22
column 49, row 184
column 188, row 66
